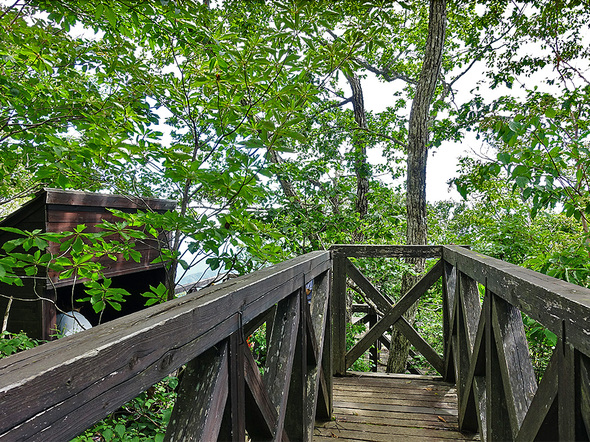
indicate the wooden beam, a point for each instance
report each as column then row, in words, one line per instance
column 585, row 393
column 566, row 391
column 318, row 397
column 420, row 344
column 237, row 394
column 516, row 367
column 394, row 313
column 497, row 415
column 295, row 424
column 261, row 416
column 540, row 406
column 280, row 355
column 386, row 251
column 472, row 400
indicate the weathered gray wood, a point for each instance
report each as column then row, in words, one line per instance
column 421, row 345
column 374, row 350
column 541, row 404
column 394, row 313
column 472, row 400
column 479, row 385
column 295, row 424
column 382, row 302
column 338, row 309
column 516, row 367
column 566, row 391
column 463, row 347
column 585, row 392
column 449, row 287
column 386, row 251
column 261, row 416
column 362, row 308
column 311, row 346
column 280, row 355
column 498, row 418
column 324, row 403
column 93, row 373
column 471, row 308
column 237, row 394
column 545, row 299
column 201, row 397
column 451, row 355
column 448, row 296
column 416, row 408
column 319, row 310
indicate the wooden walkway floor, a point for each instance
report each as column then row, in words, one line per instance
column 385, row 407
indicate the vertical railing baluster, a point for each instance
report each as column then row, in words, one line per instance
column 338, row 307
column 448, row 297
column 566, row 393
column 294, row 422
column 374, row 350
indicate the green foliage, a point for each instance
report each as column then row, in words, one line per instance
column 257, row 344
column 71, row 255
column 143, row 419
column 541, row 344
column 11, row 343
column 353, row 330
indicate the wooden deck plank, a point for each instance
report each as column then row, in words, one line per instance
column 378, row 407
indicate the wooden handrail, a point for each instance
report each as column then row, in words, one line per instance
column 57, row 390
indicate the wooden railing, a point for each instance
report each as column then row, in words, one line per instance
column 485, row 347
column 57, row 390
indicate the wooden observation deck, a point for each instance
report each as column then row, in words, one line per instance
column 485, row 389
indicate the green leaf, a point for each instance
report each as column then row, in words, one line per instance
column 120, row 430
column 13, row 230
column 99, row 10
column 111, row 16
column 504, row 157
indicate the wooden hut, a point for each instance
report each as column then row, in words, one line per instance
column 59, row 211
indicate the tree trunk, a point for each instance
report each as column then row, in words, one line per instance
column 359, row 145
column 418, row 135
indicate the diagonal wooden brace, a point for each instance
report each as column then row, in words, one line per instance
column 394, row 313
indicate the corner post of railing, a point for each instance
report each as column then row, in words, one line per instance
column 338, row 311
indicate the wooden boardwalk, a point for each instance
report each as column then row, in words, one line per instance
column 385, row 407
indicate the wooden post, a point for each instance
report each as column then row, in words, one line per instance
column 294, row 419
column 448, row 292
column 375, row 348
column 234, row 423
column 566, row 389
column 338, row 307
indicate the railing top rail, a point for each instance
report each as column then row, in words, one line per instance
column 386, row 251
column 558, row 305
column 102, row 368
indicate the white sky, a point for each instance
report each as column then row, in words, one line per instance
column 441, row 165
